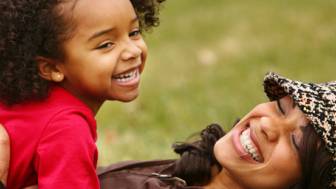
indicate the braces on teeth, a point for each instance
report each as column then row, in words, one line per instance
column 249, row 147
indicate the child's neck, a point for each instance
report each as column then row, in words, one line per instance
column 93, row 104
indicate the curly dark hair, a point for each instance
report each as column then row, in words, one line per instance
column 200, row 153
column 32, row 28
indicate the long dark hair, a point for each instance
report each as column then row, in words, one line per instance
column 197, row 159
column 316, row 162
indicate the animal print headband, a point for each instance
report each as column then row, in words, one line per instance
column 317, row 102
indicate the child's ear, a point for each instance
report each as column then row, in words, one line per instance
column 49, row 69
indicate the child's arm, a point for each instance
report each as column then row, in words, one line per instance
column 4, row 156
column 66, row 155
column 31, row 187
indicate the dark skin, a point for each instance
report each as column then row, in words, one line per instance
column 49, row 29
column 4, row 154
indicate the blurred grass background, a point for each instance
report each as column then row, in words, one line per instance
column 207, row 60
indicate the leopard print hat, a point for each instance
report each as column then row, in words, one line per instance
column 317, row 102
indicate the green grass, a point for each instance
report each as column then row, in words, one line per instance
column 206, row 64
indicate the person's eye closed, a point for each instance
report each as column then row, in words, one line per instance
column 280, row 108
column 297, row 137
column 295, row 142
column 105, row 45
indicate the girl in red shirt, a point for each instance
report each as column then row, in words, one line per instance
column 60, row 60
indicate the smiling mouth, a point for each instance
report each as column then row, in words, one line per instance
column 126, row 77
column 249, row 146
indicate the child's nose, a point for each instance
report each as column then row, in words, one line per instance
column 131, row 51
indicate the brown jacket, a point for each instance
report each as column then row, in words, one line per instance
column 141, row 175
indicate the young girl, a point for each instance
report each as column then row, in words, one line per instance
column 60, row 60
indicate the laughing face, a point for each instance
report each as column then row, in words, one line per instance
column 261, row 151
column 106, row 55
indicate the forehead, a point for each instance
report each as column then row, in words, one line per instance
column 101, row 13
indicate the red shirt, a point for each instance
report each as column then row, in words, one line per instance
column 52, row 143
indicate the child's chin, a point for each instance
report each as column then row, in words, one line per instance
column 128, row 98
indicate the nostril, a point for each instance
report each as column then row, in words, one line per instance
column 268, row 130
column 264, row 133
column 269, row 134
column 131, row 50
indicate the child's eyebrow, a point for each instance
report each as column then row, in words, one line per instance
column 100, row 33
column 134, row 20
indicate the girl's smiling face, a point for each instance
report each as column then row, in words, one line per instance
column 105, row 56
column 261, row 151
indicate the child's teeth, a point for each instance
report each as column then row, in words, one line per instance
column 126, row 77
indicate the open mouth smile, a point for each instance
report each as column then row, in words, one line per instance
column 249, row 146
column 126, row 77
column 246, row 145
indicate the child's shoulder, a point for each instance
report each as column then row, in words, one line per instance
column 59, row 113
column 59, row 107
column 57, row 101
column 61, row 99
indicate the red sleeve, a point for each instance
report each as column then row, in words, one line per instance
column 67, row 154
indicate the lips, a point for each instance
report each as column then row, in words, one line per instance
column 246, row 145
column 249, row 146
column 127, row 78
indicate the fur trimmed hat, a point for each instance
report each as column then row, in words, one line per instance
column 316, row 101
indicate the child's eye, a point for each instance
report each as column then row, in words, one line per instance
column 105, row 45
column 135, row 33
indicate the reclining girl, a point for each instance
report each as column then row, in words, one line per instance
column 287, row 143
